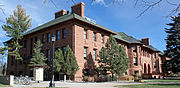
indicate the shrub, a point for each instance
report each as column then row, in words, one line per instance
column 88, row 79
column 137, row 77
column 128, row 77
column 142, row 81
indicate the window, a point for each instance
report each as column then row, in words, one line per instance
column 63, row 49
column 154, row 55
column 94, row 54
column 48, row 54
column 57, row 35
column 134, row 48
column 135, row 61
column 102, row 38
column 154, row 64
column 126, row 73
column 43, row 38
column 94, row 36
column 85, row 34
column 49, row 37
column 85, row 52
column 25, row 43
column 64, row 33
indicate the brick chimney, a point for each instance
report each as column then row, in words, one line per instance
column 78, row 9
column 60, row 13
column 146, row 41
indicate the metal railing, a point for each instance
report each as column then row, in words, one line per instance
column 23, row 80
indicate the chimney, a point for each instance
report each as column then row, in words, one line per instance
column 146, row 41
column 78, row 9
column 60, row 13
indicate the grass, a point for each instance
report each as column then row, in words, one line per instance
column 161, row 80
column 3, row 85
column 150, row 86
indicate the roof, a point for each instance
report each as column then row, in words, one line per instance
column 129, row 39
column 125, row 37
column 119, row 35
column 66, row 18
column 151, row 47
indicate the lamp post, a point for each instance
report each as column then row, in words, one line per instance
column 52, row 84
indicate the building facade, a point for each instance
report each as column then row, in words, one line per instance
column 86, row 38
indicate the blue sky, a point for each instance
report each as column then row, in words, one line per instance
column 118, row 17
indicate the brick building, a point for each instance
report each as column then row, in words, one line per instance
column 86, row 38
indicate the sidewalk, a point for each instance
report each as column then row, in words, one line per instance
column 85, row 84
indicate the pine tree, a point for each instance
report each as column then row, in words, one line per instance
column 71, row 66
column 15, row 26
column 173, row 45
column 59, row 61
column 113, row 58
column 38, row 57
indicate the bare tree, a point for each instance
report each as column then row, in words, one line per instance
column 146, row 5
column 2, row 11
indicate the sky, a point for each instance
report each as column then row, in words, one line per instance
column 118, row 16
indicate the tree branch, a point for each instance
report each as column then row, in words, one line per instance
column 148, row 6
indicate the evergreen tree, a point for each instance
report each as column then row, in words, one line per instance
column 113, row 58
column 173, row 45
column 38, row 57
column 59, row 61
column 15, row 26
column 71, row 66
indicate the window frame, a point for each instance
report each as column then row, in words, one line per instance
column 64, row 33
column 57, row 35
column 135, row 62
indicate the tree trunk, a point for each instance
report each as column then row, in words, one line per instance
column 112, row 76
column 15, row 72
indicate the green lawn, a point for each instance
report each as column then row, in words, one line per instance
column 3, row 85
column 150, row 86
column 161, row 80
